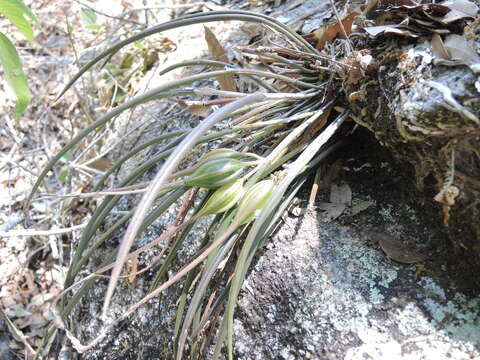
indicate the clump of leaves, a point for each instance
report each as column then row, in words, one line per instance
column 282, row 132
column 17, row 13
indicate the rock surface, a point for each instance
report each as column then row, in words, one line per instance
column 327, row 290
column 324, row 289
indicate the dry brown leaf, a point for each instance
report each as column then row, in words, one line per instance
column 402, row 32
column 340, row 200
column 376, row 30
column 459, row 49
column 438, row 48
column 331, row 211
column 356, row 209
column 101, row 164
column 417, row 18
column 396, row 250
column 460, row 9
column 376, row 7
column 227, row 82
column 341, row 194
column 199, row 110
column 326, row 34
column 391, row 29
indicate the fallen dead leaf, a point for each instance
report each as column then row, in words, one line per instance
column 459, row 9
column 389, row 29
column 101, row 164
column 396, row 250
column 326, row 34
column 331, row 211
column 340, row 200
column 438, row 48
column 341, row 194
column 408, row 18
column 356, row 209
column 227, row 82
column 459, row 49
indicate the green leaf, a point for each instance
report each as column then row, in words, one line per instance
column 93, row 27
column 14, row 74
column 15, row 11
column 89, row 18
column 63, row 174
column 67, row 157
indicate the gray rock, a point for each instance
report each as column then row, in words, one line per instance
column 326, row 290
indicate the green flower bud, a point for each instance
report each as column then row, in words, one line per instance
column 221, row 153
column 215, row 173
column 224, row 153
column 254, row 201
column 223, row 199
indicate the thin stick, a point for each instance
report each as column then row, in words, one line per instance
column 17, row 333
column 110, row 16
column 344, row 33
column 28, row 232
column 316, row 182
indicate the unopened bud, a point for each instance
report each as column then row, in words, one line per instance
column 222, row 153
column 215, row 173
column 254, row 201
column 223, row 199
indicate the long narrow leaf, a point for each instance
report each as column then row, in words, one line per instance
column 242, row 263
column 140, row 99
column 211, row 266
column 157, row 183
column 156, row 93
column 189, row 20
column 132, row 153
column 217, row 64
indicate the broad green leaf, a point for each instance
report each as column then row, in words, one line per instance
column 88, row 17
column 15, row 11
column 14, row 74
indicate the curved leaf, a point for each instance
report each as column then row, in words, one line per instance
column 163, row 174
column 189, row 20
column 261, row 224
column 14, row 74
column 15, row 11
